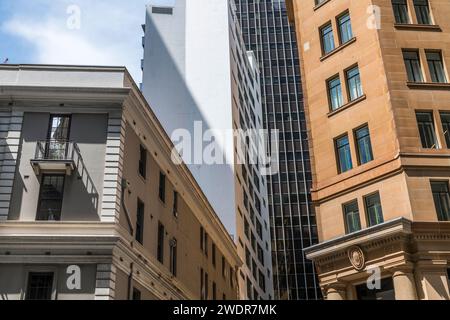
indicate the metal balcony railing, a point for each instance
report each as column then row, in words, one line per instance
column 56, row 150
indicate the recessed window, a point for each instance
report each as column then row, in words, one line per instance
column 345, row 28
column 162, row 187
column 140, row 222
column 422, row 9
column 355, row 89
column 364, row 145
column 40, row 286
column 343, row 153
column 137, row 295
column 213, row 254
column 51, row 198
column 351, row 216
column 160, row 248
column 400, row 11
column 335, row 93
column 374, row 210
column 173, row 256
column 142, row 162
column 426, row 130
column 445, row 119
column 441, row 198
column 436, row 66
column 413, row 67
column 162, row 10
column 214, row 291
column 175, row 204
column 326, row 34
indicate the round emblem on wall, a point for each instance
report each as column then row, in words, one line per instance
column 357, row 258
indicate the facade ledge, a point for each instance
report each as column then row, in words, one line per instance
column 336, row 50
column 347, row 105
column 320, row 5
column 428, row 85
column 417, row 27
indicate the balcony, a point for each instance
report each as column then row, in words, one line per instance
column 55, row 156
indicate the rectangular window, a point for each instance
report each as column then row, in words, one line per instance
column 445, row 119
column 335, row 93
column 175, row 204
column 345, row 28
column 326, row 34
column 354, row 85
column 162, row 10
column 351, row 217
column 137, row 296
column 202, row 239
column 373, row 210
column 400, row 11
column 213, row 255
column 343, row 153
column 206, row 244
column 161, row 235
column 202, row 285
column 173, row 256
column 364, row 145
column 441, row 198
column 57, row 147
column 214, row 291
column 40, row 286
column 426, row 129
column 162, row 187
column 223, row 267
column 143, row 162
column 140, row 214
column 422, row 11
column 51, row 198
column 206, row 286
column 436, row 66
column 413, row 67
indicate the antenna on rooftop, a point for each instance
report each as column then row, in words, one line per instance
column 6, row 61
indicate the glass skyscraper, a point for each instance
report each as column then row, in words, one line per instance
column 267, row 32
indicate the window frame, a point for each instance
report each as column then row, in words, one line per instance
column 408, row 15
column 328, row 24
column 30, row 270
column 162, row 187
column 445, row 124
column 142, row 162
column 161, row 235
column 40, row 198
column 336, row 148
column 140, row 221
column 366, row 208
column 344, row 205
column 419, row 13
column 435, row 132
column 420, row 66
column 339, row 27
column 447, row 185
column 358, row 151
column 330, row 100
column 347, row 83
column 433, row 74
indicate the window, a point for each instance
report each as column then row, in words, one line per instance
column 422, row 11
column 400, row 11
column 162, row 10
column 206, row 244
column 326, row 34
column 51, row 198
column 373, row 210
column 354, row 83
column 175, row 204
column 436, row 66
column 202, row 239
column 143, row 162
column 351, row 217
column 213, row 254
column 214, row 291
column 140, row 222
column 202, row 285
column 335, row 93
column 160, row 253
column 343, row 154
column 40, row 286
column 413, row 67
column 206, row 286
column 385, row 292
column 173, row 256
column 162, row 187
column 441, row 198
column 58, row 136
column 345, row 28
column 426, row 129
column 445, row 119
column 223, row 268
column 364, row 145
column 137, row 296
column 232, row 274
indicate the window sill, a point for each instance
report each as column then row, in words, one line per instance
column 417, row 27
column 428, row 85
column 320, row 5
column 348, row 105
column 341, row 47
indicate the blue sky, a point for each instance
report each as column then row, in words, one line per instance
column 46, row 31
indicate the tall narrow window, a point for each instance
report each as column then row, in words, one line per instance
column 223, row 268
column 202, row 238
column 51, row 198
column 422, row 11
column 436, row 67
column 162, row 187
column 160, row 249
column 137, row 295
column 175, row 204
column 213, row 255
column 441, row 198
column 354, row 83
column 345, row 28
column 214, row 291
column 351, row 215
column 364, row 145
column 57, row 146
column 413, row 67
column 326, row 34
column 202, row 284
column 400, row 11
column 426, row 130
column 373, row 210
column 40, row 286
column 142, row 162
column 335, row 93
column 206, row 244
column 140, row 222
column 206, row 286
column 343, row 154
column 445, row 119
column 173, row 256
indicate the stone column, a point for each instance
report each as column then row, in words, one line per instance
column 336, row 291
column 404, row 284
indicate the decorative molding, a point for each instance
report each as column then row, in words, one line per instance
column 357, row 258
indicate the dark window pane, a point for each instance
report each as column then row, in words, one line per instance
column 40, row 286
column 400, row 11
column 143, row 162
column 354, row 83
column 422, row 11
column 386, row 292
column 162, row 187
column 335, row 93
column 140, row 214
column 343, row 154
column 413, row 67
column 441, row 198
column 345, row 28
column 374, row 210
column 351, row 215
column 136, row 294
column 436, row 67
column 173, row 256
column 51, row 198
column 326, row 33
column 160, row 249
column 364, row 145
column 426, row 129
column 445, row 119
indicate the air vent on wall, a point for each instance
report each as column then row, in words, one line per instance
column 162, row 10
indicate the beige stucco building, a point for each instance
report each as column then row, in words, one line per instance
column 377, row 97
column 91, row 204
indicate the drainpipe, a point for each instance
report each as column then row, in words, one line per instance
column 130, row 282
